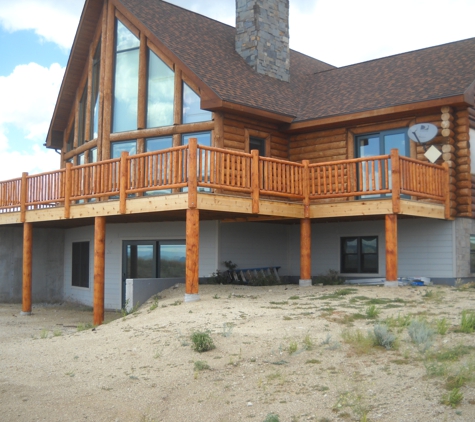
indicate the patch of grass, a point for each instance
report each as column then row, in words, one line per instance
column 372, row 312
column 453, row 398
column 362, row 343
column 313, row 361
column 383, row 337
column 86, row 326
column 202, row 342
column 442, row 326
column 124, row 312
column 467, row 324
column 421, row 334
column 154, row 305
column 452, row 354
column 284, row 302
column 293, row 347
column 346, row 291
column 201, row 365
column 308, row 343
column 216, row 296
column 432, row 295
column 272, row 417
column 435, row 369
column 57, row 333
column 44, row 334
column 401, row 321
column 294, row 297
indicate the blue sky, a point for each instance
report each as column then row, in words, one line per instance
column 36, row 35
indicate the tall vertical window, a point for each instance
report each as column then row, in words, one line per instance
column 96, row 70
column 191, row 107
column 359, row 254
column 126, row 80
column 160, row 92
column 92, row 155
column 80, row 264
column 259, row 144
column 70, row 144
column 82, row 117
column 472, row 253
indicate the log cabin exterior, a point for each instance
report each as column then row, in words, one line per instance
column 175, row 139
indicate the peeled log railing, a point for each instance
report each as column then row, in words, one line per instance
column 195, row 168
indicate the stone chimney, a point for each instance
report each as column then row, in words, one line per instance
column 262, row 36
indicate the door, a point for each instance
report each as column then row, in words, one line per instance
column 139, row 260
column 380, row 143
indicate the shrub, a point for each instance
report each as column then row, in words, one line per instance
column 442, row 326
column 453, row 398
column 330, row 278
column 271, row 417
column 383, row 337
column 202, row 342
column 201, row 365
column 421, row 334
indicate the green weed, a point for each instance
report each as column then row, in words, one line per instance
column 271, row 417
column 467, row 324
column 201, row 365
column 83, row 327
column 293, row 346
column 453, row 398
column 442, row 326
column 372, row 312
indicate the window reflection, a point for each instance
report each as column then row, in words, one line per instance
column 95, row 93
column 126, row 80
column 82, row 117
column 118, row 147
column 161, row 80
column 191, row 107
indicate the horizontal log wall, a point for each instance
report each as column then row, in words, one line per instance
column 234, row 134
column 463, row 163
column 319, row 147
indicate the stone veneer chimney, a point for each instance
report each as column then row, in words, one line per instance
column 262, row 36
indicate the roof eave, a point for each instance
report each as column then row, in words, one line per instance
column 377, row 115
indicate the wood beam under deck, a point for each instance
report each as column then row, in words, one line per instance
column 305, row 252
column 391, row 250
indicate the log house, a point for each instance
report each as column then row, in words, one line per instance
column 179, row 152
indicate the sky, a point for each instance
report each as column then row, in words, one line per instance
column 36, row 36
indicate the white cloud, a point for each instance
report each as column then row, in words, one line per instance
column 31, row 91
column 52, row 20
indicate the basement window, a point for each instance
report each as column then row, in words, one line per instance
column 472, row 253
column 359, row 254
column 80, row 265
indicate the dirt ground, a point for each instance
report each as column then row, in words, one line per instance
column 282, row 350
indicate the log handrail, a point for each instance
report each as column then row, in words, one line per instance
column 350, row 178
column 225, row 170
column 10, row 195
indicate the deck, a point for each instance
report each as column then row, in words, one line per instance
column 235, row 183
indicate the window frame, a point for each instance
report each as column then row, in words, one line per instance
column 359, row 254
column 472, row 253
column 80, row 271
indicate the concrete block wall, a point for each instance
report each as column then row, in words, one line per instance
column 48, row 263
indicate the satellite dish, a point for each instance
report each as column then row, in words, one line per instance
column 422, row 132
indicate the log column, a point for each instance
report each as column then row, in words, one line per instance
column 305, row 253
column 99, row 268
column 27, row 267
column 192, row 254
column 391, row 250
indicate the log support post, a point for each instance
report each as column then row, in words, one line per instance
column 255, row 180
column 124, row 177
column 99, row 269
column 305, row 253
column 396, row 181
column 27, row 267
column 391, row 250
column 68, row 183
column 192, row 255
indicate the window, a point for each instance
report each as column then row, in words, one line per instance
column 126, row 82
column 472, row 253
column 80, row 265
column 380, row 143
column 118, row 147
column 203, row 138
column 160, row 92
column 259, row 144
column 93, row 155
column 163, row 172
column 359, row 254
column 192, row 111
column 80, row 159
column 96, row 68
column 82, row 117
column 70, row 144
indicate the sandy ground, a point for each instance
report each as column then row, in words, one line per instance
column 279, row 350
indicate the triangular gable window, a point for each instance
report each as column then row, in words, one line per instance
column 192, row 112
